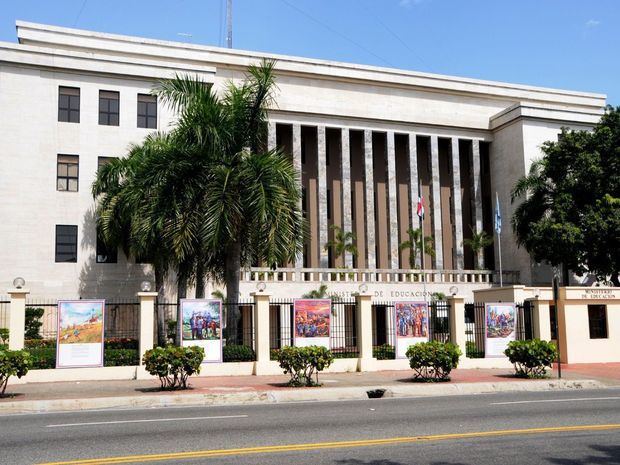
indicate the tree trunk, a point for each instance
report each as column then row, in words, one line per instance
column 181, row 294
column 200, row 280
column 231, row 278
column 162, row 335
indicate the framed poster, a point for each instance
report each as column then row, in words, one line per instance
column 411, row 323
column 312, row 320
column 79, row 340
column 500, row 325
column 202, row 326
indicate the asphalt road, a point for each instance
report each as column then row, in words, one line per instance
column 568, row 427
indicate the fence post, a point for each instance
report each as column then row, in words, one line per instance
column 261, row 332
column 366, row 361
column 17, row 318
column 147, row 312
column 540, row 319
column 457, row 322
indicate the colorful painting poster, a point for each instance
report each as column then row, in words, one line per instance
column 312, row 322
column 80, row 333
column 500, row 328
column 202, row 326
column 411, row 323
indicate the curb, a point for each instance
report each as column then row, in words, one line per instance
column 290, row 395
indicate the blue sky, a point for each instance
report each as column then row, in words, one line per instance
column 568, row 44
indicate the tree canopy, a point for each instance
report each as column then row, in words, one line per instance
column 570, row 213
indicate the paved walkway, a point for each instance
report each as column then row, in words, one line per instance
column 607, row 373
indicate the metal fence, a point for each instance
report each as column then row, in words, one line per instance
column 475, row 326
column 343, row 326
column 384, row 333
column 4, row 311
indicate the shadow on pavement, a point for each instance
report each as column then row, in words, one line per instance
column 606, row 455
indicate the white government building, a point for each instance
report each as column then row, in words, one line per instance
column 367, row 141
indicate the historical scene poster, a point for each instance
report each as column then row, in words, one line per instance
column 202, row 326
column 500, row 328
column 411, row 322
column 80, row 333
column 312, row 322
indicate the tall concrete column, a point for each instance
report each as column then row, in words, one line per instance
column 457, row 205
column 366, row 361
column 271, row 135
column 414, row 192
column 476, row 189
column 299, row 261
column 436, row 204
column 371, row 262
column 261, row 332
column 457, row 322
column 147, row 321
column 345, row 171
column 392, row 200
column 322, row 185
column 17, row 318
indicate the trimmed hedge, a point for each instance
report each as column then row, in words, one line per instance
column 173, row 365
column 302, row 363
column 433, row 361
column 238, row 353
column 531, row 358
column 384, row 352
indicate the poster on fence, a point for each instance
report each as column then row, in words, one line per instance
column 79, row 342
column 202, row 326
column 312, row 322
column 500, row 325
column 411, row 323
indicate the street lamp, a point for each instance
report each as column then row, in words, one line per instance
column 19, row 282
column 145, row 286
column 363, row 288
column 261, row 286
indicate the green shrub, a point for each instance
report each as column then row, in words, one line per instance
column 39, row 343
column 472, row 351
column 122, row 343
column 173, row 364
column 42, row 357
column 384, row 352
column 531, row 358
column 433, row 361
column 4, row 336
column 12, row 363
column 33, row 322
column 304, row 362
column 121, row 357
column 238, row 353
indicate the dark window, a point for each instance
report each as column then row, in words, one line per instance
column 303, row 152
column 597, row 320
column 327, row 154
column 147, row 111
column 304, row 202
column 108, row 108
column 101, row 161
column 69, row 104
column 67, row 170
column 329, row 204
column 105, row 254
column 66, row 243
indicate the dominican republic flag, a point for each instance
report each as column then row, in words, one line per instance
column 498, row 216
column 421, row 207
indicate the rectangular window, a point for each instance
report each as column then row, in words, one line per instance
column 66, row 243
column 101, row 161
column 105, row 254
column 147, row 111
column 68, row 104
column 67, row 173
column 109, row 108
column 597, row 320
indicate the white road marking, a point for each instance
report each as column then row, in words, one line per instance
column 579, row 399
column 118, row 422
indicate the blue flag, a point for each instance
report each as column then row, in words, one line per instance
column 498, row 216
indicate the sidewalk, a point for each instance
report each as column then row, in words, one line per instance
column 272, row 389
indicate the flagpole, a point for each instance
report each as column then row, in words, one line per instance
column 498, row 231
column 422, row 264
column 499, row 246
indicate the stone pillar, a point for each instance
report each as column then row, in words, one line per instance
column 261, row 332
column 17, row 318
column 371, row 252
column 414, row 193
column 436, row 203
column 147, row 316
column 457, row 205
column 457, row 322
column 392, row 200
column 476, row 189
column 322, row 185
column 299, row 261
column 540, row 319
column 345, row 171
column 271, row 135
column 366, row 361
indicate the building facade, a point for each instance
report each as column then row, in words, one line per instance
column 367, row 140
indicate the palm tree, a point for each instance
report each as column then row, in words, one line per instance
column 342, row 242
column 414, row 245
column 477, row 243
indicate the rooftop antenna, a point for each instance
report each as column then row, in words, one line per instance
column 229, row 23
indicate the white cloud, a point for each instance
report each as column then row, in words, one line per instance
column 592, row 23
